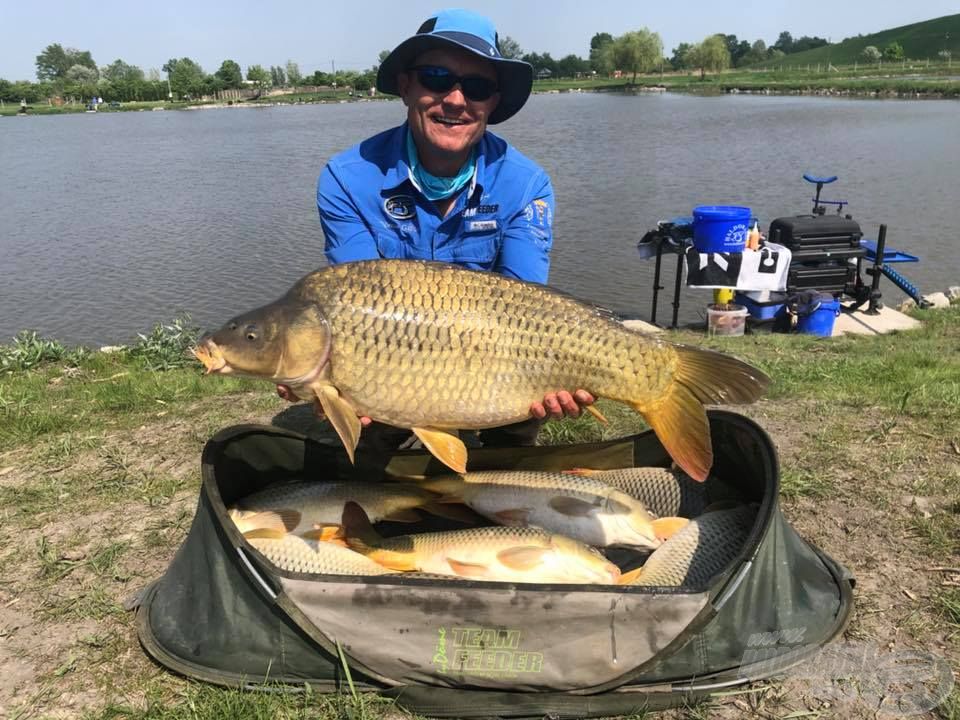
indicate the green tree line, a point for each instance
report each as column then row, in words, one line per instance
column 73, row 74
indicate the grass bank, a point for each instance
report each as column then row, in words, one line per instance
column 11, row 109
column 99, row 474
column 888, row 81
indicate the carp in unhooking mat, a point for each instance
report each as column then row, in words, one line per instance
column 499, row 554
column 436, row 348
column 581, row 508
column 314, row 509
column 298, row 554
column 699, row 551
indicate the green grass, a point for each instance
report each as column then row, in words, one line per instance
column 114, row 391
column 859, row 407
column 200, row 702
column 950, row 708
column 42, row 108
column 920, row 41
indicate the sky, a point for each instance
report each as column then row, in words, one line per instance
column 349, row 34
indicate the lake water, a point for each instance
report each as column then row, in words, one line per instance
column 110, row 223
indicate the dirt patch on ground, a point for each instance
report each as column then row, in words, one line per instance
column 68, row 563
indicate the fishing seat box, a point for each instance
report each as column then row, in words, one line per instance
column 822, row 249
column 450, row 647
column 812, row 238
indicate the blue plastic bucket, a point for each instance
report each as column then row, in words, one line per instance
column 817, row 317
column 720, row 228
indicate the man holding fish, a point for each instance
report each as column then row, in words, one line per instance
column 474, row 344
column 441, row 187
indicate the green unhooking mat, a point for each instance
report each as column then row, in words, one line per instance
column 454, row 647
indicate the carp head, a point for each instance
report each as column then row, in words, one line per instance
column 286, row 342
column 637, row 527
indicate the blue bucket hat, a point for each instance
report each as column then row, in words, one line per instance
column 468, row 31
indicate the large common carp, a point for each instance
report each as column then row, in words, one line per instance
column 435, row 348
column 500, row 554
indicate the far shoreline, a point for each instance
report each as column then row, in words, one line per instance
column 279, row 100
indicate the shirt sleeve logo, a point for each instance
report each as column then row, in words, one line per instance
column 539, row 212
column 400, row 207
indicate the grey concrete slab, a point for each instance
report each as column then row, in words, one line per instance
column 862, row 323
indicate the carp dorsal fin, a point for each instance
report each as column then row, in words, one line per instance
column 445, row 447
column 342, row 416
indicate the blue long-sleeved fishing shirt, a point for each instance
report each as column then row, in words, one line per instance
column 370, row 207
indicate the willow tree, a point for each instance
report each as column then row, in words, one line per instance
column 637, row 51
column 711, row 54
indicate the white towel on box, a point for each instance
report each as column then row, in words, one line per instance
column 750, row 270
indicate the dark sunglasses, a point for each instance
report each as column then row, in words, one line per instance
column 440, row 80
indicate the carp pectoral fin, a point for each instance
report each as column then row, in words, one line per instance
column 404, row 562
column 342, row 416
column 574, row 507
column 403, row 516
column 445, row 446
column 465, row 569
column 597, row 414
column 522, row 558
column 630, row 577
column 516, row 517
column 269, row 522
column 324, row 533
column 664, row 528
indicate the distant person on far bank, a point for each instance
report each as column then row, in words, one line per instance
column 442, row 187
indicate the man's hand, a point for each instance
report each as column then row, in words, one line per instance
column 561, row 404
column 289, row 395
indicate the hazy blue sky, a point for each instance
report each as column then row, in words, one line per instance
column 353, row 32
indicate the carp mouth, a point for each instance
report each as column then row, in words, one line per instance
column 211, row 357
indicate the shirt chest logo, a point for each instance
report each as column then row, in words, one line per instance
column 481, row 210
column 400, row 207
